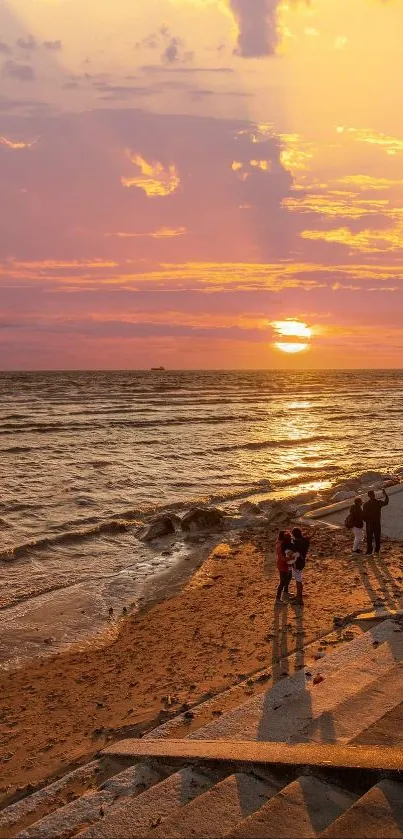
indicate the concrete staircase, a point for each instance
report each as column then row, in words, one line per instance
column 334, row 701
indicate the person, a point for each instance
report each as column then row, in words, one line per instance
column 283, row 542
column 372, row 512
column 357, row 521
column 300, row 547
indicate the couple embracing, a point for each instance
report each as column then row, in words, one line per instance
column 291, row 549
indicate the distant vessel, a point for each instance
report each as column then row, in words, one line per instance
column 157, row 368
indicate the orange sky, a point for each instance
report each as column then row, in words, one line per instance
column 178, row 177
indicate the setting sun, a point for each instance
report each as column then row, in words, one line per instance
column 290, row 347
column 295, row 330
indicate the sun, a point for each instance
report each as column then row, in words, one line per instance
column 290, row 347
column 294, row 335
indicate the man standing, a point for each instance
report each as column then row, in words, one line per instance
column 372, row 517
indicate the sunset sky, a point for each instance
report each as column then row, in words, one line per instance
column 182, row 179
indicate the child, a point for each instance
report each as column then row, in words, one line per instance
column 283, row 540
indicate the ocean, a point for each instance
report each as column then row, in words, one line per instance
column 86, row 456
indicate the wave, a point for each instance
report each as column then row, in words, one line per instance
column 126, row 520
column 17, row 449
column 66, row 538
column 65, row 427
column 273, row 444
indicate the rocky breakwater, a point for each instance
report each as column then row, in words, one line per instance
column 195, row 520
column 361, row 483
column 204, row 521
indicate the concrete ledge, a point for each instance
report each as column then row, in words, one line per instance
column 379, row 758
column 333, row 515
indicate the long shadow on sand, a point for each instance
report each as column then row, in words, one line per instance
column 387, row 583
column 276, row 724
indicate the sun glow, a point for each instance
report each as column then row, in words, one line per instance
column 299, row 333
column 290, row 347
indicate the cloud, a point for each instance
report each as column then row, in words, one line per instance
column 56, row 46
column 173, row 48
column 368, row 183
column 155, row 180
column 157, row 69
column 29, row 44
column 366, row 241
column 17, row 145
column 110, row 92
column 257, row 22
column 175, row 52
column 391, row 145
column 161, row 233
column 177, row 174
column 331, row 205
column 20, row 72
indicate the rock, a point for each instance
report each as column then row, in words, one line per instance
column 351, row 484
column 343, row 495
column 317, row 679
column 371, row 477
column 249, row 507
column 265, row 506
column 199, row 518
column 188, row 715
column 161, row 526
column 279, row 513
column 338, row 621
column 392, row 481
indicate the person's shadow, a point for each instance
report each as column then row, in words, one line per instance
column 389, row 587
column 287, row 710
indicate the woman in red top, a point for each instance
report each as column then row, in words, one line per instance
column 283, row 542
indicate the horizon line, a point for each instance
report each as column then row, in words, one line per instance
column 202, row 370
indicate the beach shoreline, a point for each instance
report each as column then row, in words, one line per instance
column 63, row 602
column 218, row 624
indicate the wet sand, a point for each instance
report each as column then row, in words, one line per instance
column 221, row 626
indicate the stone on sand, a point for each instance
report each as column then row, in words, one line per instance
column 160, row 526
column 199, row 518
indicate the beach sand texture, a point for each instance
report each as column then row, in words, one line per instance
column 222, row 626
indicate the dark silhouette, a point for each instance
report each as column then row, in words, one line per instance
column 300, row 545
column 372, row 511
column 357, row 523
column 283, row 543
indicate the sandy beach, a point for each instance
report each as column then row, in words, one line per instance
column 219, row 628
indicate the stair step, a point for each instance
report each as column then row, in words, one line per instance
column 301, row 810
column 218, row 811
column 33, row 807
column 90, row 807
column 263, row 754
column 379, row 813
column 339, row 658
column 352, row 716
column 135, row 817
column 284, row 711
